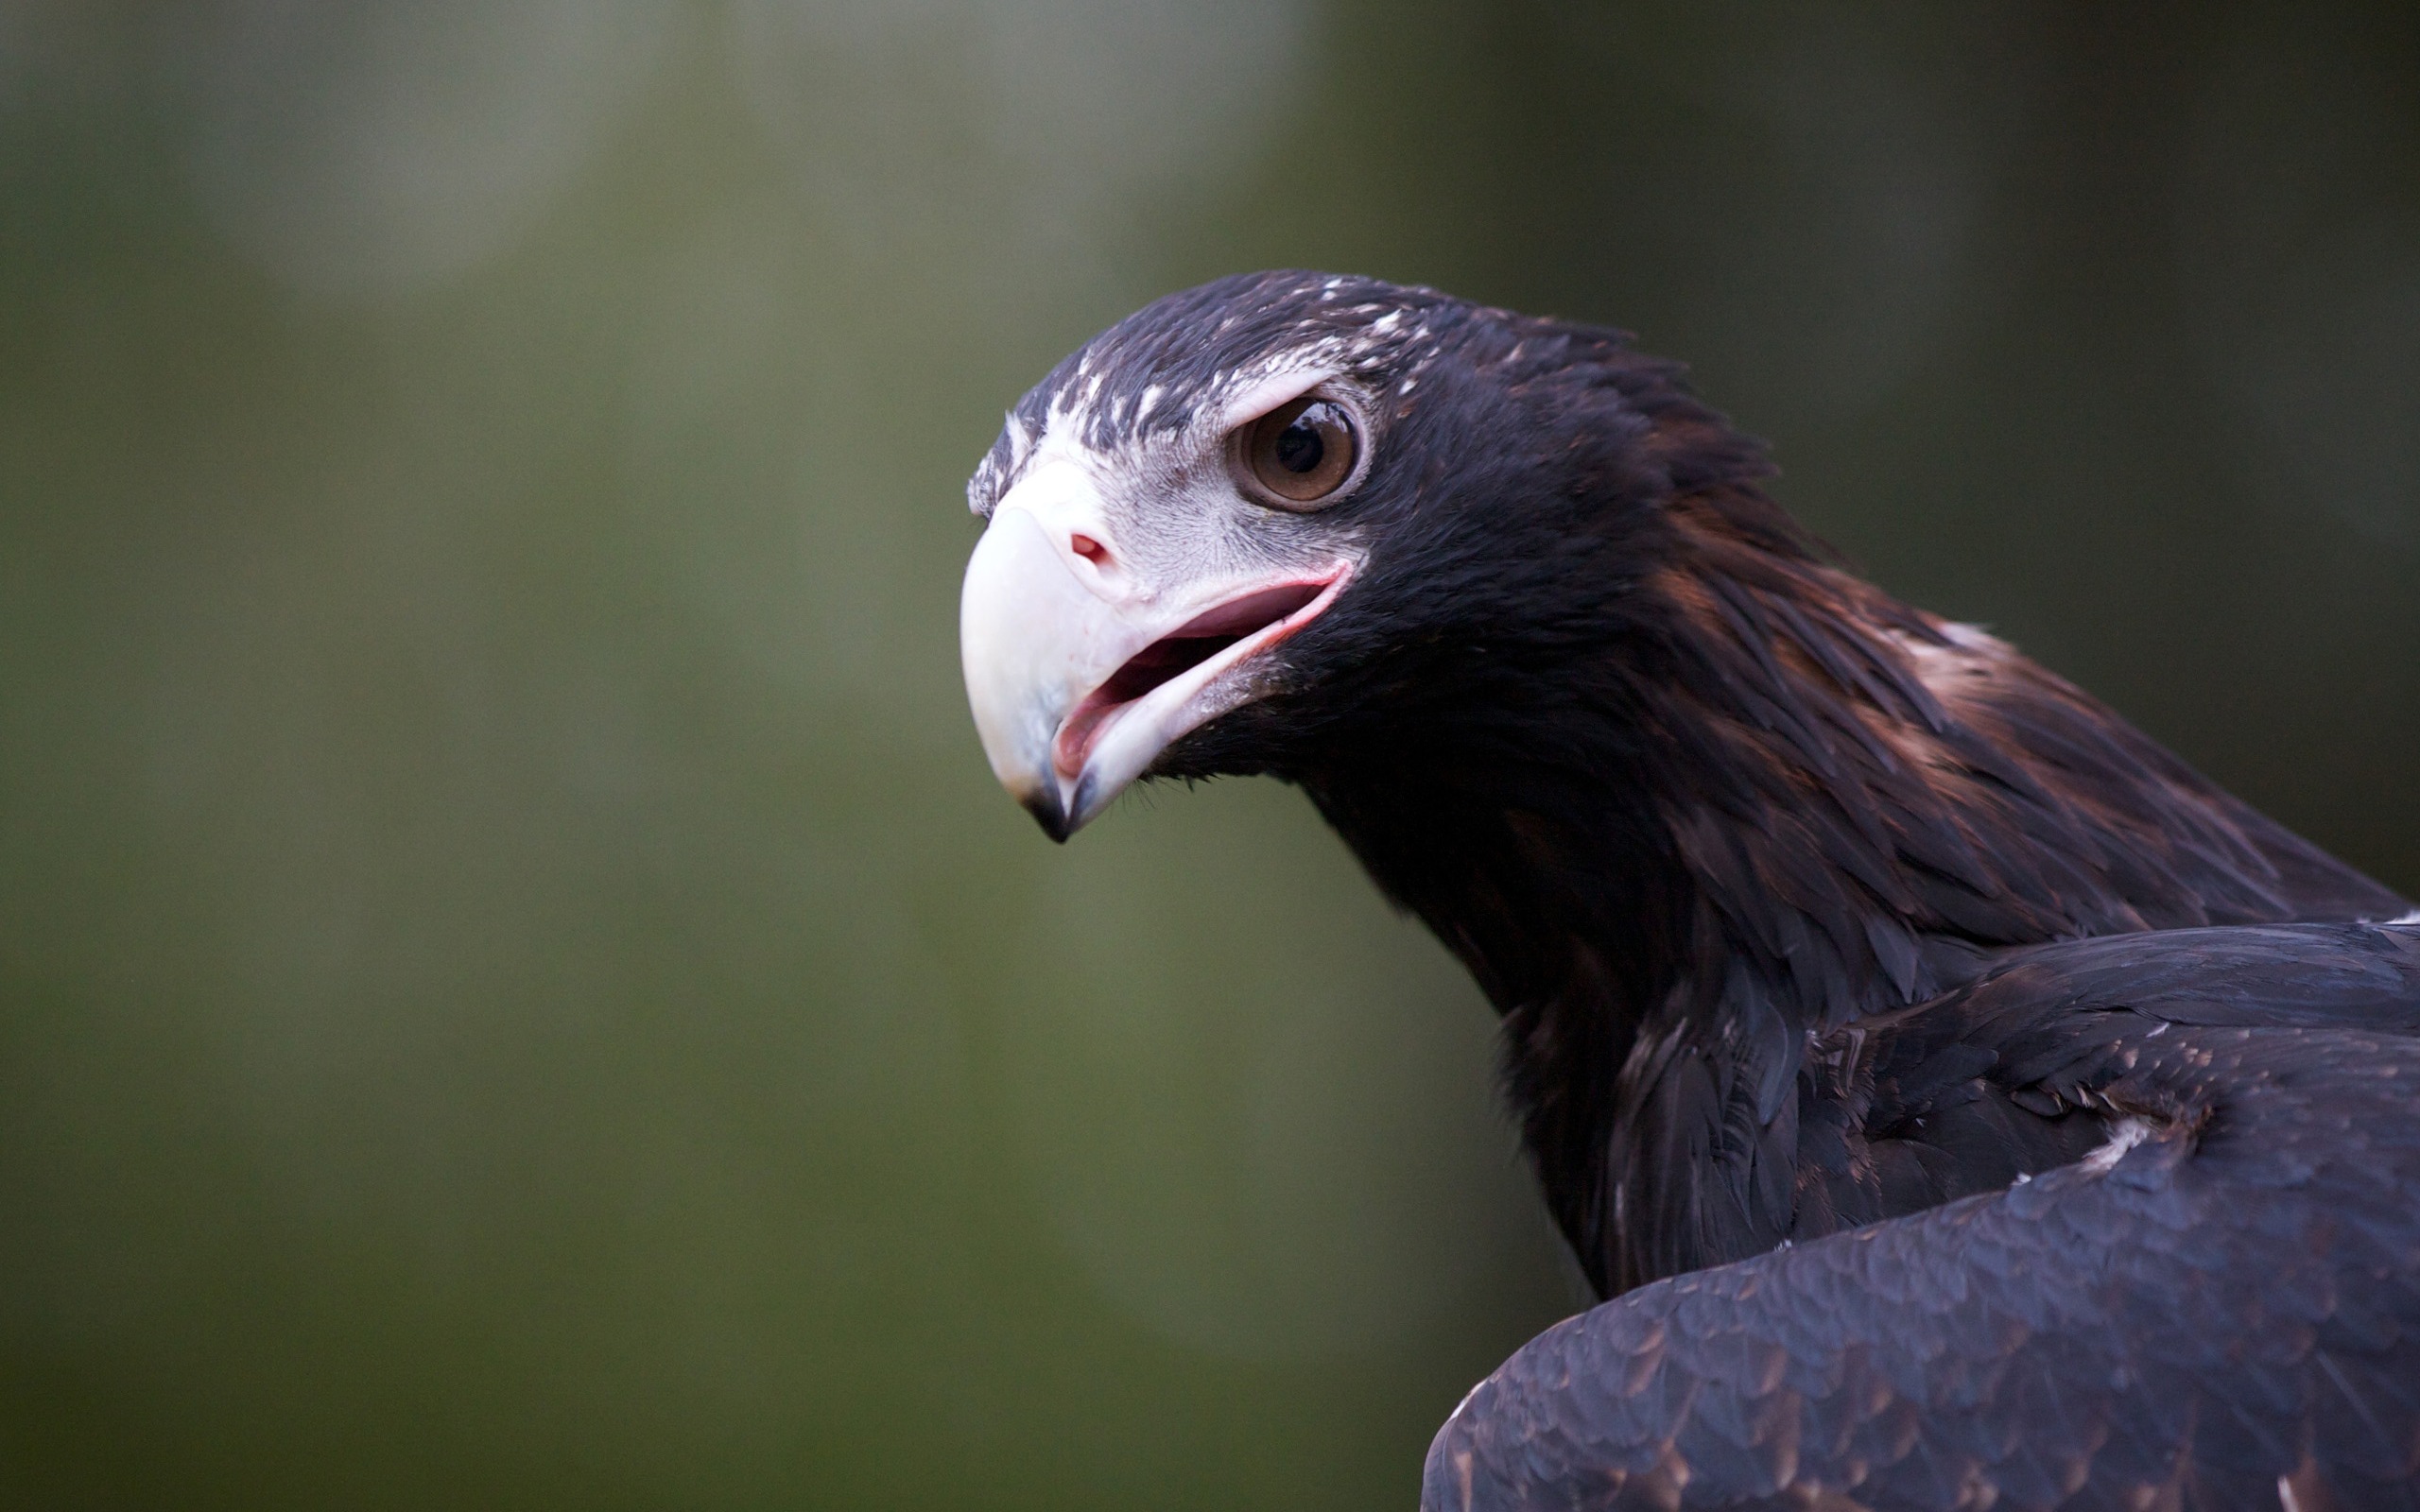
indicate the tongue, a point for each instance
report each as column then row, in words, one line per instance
column 1189, row 646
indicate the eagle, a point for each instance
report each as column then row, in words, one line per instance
column 1957, row 1101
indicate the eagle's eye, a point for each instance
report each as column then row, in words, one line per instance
column 1299, row 455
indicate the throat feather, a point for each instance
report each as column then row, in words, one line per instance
column 1767, row 803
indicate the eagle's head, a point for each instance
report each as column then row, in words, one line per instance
column 1283, row 511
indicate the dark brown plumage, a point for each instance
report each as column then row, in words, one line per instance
column 1967, row 1103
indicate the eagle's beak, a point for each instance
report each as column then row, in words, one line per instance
column 1081, row 670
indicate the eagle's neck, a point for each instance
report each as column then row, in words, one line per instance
column 1770, row 801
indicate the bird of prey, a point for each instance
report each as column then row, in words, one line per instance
column 1961, row 1102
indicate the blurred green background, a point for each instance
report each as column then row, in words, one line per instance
column 516, row 986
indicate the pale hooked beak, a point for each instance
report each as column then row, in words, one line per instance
column 1081, row 673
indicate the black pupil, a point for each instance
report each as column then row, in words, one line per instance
column 1299, row 448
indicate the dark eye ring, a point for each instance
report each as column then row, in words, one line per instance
column 1301, row 455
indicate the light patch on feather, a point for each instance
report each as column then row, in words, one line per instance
column 2412, row 917
column 1946, row 669
column 2123, row 1135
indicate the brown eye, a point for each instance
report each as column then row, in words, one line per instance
column 1301, row 452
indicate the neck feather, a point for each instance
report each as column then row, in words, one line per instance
column 1770, row 800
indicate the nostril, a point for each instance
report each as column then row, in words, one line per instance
column 1089, row 549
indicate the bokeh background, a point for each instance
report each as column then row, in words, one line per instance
column 516, row 988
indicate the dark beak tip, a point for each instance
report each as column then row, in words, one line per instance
column 1044, row 810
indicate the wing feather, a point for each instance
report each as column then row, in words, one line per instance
column 2226, row 1304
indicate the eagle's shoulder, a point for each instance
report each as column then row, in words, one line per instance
column 2220, row 1295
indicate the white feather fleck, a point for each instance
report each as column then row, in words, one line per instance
column 1969, row 653
column 2123, row 1136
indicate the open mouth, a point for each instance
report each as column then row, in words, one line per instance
column 1264, row 616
